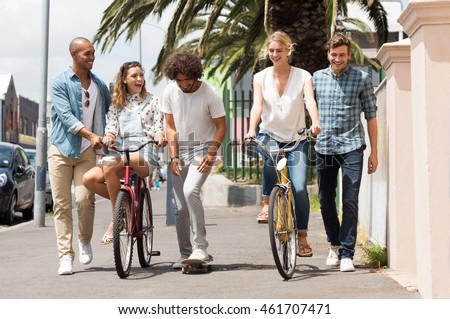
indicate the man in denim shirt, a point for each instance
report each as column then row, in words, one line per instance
column 80, row 102
column 343, row 93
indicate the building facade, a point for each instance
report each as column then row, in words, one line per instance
column 18, row 115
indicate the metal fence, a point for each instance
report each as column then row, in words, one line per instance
column 241, row 162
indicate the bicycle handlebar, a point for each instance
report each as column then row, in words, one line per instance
column 109, row 160
column 132, row 147
column 301, row 132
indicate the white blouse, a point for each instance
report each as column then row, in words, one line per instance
column 282, row 116
column 150, row 113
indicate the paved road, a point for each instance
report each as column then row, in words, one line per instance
column 243, row 265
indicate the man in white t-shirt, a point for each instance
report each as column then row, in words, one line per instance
column 195, row 129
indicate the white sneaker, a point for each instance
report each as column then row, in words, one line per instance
column 65, row 267
column 178, row 264
column 333, row 259
column 199, row 254
column 85, row 252
column 347, row 265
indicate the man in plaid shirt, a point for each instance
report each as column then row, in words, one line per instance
column 343, row 93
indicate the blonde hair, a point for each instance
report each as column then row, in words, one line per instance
column 120, row 88
column 281, row 38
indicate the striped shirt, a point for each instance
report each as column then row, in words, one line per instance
column 341, row 100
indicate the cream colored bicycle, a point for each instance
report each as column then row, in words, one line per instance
column 282, row 220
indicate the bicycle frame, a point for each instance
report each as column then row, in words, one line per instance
column 280, row 166
column 135, row 193
column 285, row 183
column 133, row 221
column 282, row 220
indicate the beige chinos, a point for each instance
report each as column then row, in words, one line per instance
column 62, row 170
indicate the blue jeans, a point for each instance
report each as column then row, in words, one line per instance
column 343, row 235
column 298, row 168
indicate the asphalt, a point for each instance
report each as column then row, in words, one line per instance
column 243, row 266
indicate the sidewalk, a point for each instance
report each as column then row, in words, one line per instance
column 243, row 266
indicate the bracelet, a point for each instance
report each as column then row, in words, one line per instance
column 174, row 158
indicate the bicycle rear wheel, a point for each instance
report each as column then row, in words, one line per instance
column 145, row 240
column 282, row 231
column 122, row 234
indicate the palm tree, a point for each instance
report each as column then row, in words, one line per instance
column 338, row 21
column 234, row 39
column 233, row 31
column 305, row 23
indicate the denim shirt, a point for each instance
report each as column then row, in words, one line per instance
column 67, row 112
column 341, row 100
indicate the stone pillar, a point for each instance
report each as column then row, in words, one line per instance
column 396, row 60
column 427, row 25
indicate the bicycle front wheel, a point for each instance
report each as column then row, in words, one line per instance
column 145, row 239
column 282, row 231
column 122, row 234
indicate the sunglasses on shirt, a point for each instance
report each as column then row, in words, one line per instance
column 86, row 95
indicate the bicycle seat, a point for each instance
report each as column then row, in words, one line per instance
column 109, row 160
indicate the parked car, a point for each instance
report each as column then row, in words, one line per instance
column 48, row 187
column 17, row 177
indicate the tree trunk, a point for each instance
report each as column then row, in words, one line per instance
column 305, row 23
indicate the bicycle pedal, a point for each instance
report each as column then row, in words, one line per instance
column 156, row 253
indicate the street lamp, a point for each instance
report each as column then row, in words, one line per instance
column 140, row 36
column 170, row 197
column 41, row 134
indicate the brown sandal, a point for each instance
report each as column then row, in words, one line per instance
column 263, row 216
column 106, row 239
column 304, row 250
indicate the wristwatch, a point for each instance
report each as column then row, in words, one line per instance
column 173, row 158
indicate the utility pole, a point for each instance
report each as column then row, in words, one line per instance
column 41, row 134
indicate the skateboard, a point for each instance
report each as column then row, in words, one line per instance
column 195, row 265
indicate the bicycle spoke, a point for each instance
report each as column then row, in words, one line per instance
column 122, row 235
column 145, row 239
column 282, row 232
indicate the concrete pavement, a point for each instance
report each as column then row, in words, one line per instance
column 243, row 266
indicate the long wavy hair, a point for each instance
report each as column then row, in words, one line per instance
column 120, row 90
column 282, row 39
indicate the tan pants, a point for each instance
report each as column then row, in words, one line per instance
column 63, row 170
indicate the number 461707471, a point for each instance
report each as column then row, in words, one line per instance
column 296, row 309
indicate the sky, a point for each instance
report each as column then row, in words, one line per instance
column 21, row 44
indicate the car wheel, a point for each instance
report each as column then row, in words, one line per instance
column 28, row 213
column 10, row 214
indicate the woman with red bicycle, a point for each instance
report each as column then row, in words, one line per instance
column 134, row 115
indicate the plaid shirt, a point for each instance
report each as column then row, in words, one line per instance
column 340, row 100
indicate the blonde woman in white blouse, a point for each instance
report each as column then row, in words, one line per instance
column 134, row 114
column 280, row 93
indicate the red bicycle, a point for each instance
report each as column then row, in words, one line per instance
column 133, row 217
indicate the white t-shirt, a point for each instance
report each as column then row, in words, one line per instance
column 88, row 112
column 282, row 116
column 193, row 114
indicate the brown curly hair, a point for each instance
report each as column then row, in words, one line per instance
column 184, row 62
column 120, row 88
